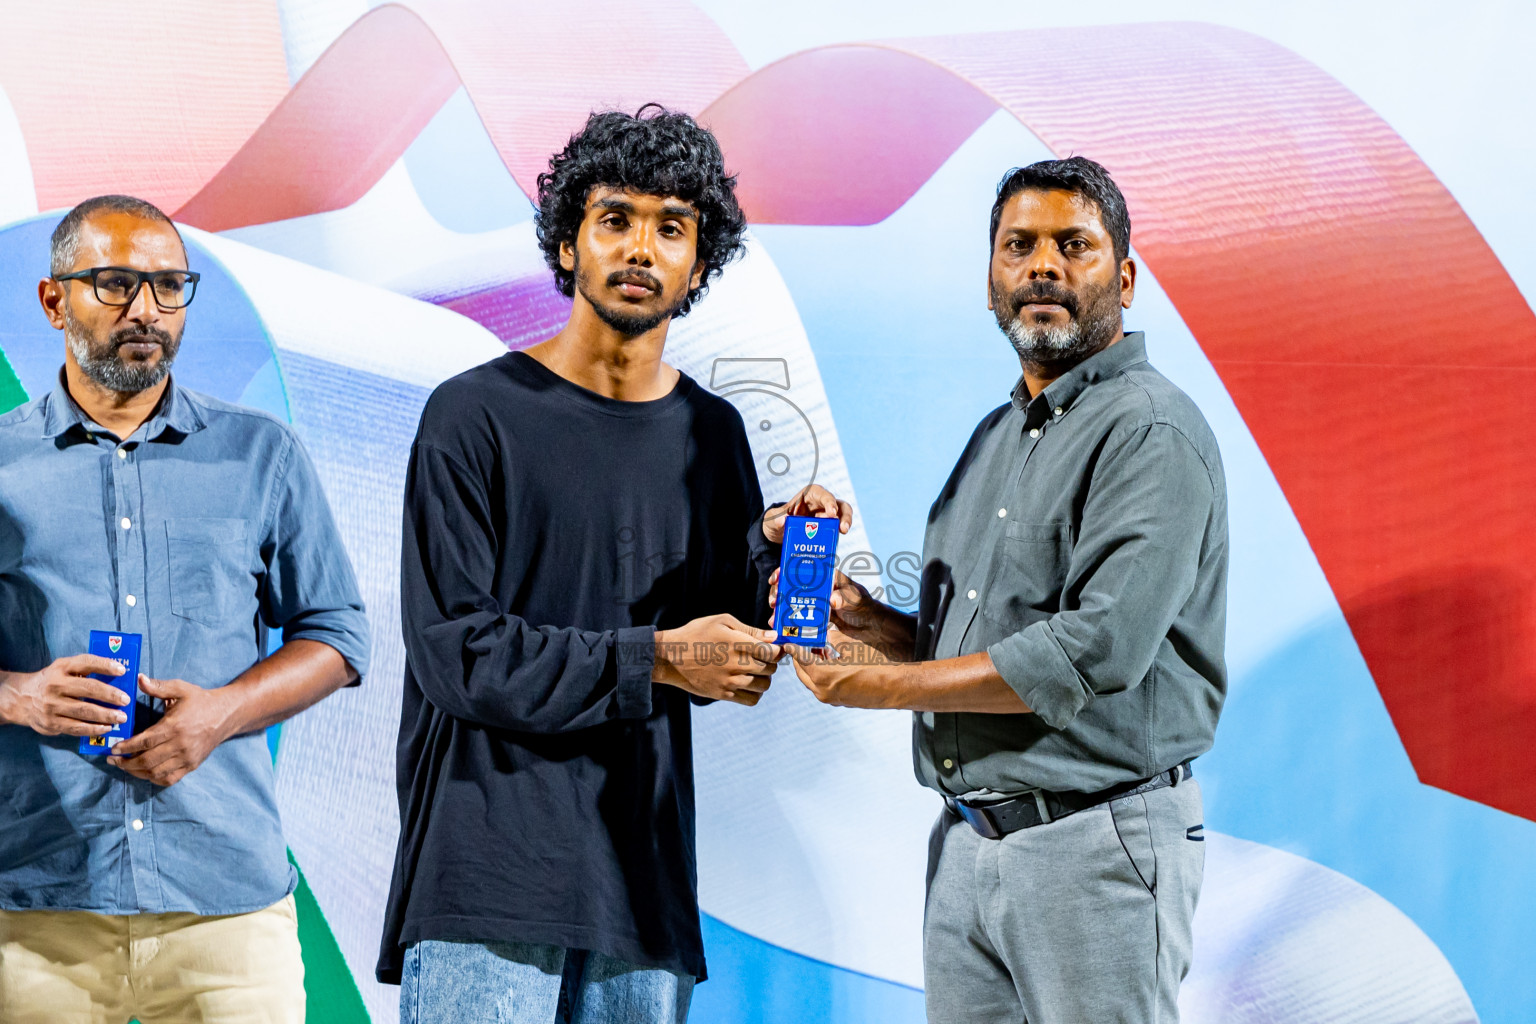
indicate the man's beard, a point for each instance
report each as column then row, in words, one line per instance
column 626, row 323
column 1095, row 323
column 103, row 365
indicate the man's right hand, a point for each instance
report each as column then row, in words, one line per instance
column 57, row 700
column 717, row 657
column 854, row 609
column 864, row 617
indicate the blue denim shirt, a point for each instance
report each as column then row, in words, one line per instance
column 204, row 530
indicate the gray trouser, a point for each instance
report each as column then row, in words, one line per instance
column 1085, row 920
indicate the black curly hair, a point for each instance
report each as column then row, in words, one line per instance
column 656, row 152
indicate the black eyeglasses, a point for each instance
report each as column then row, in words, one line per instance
column 119, row 286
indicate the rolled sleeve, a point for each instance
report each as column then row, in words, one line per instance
column 310, row 590
column 1033, row 664
column 1132, row 568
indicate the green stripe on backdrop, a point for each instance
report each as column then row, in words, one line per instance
column 12, row 393
column 330, row 992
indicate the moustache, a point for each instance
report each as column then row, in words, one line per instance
column 640, row 277
column 1044, row 293
column 140, row 335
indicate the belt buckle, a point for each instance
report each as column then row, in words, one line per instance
column 980, row 820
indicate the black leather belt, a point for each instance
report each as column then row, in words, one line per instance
column 1040, row 807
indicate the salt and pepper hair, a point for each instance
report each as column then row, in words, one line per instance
column 65, row 247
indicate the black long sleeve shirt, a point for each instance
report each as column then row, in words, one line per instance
column 546, row 785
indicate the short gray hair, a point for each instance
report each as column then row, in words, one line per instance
column 65, row 246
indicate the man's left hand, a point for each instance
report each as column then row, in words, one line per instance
column 195, row 722
column 850, row 674
column 811, row 500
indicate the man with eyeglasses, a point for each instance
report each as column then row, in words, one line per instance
column 152, row 882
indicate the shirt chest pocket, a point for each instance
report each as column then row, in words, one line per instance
column 209, row 574
column 1028, row 573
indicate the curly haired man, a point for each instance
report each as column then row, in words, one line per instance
column 584, row 538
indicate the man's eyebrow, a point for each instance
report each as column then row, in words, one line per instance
column 1080, row 228
column 1084, row 230
column 625, row 206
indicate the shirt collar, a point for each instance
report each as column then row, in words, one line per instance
column 176, row 413
column 1060, row 393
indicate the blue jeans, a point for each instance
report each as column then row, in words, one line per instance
column 528, row 983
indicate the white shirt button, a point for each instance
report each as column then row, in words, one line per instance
column 122, row 453
column 1058, row 410
column 131, row 600
column 138, row 826
column 971, row 594
column 948, row 763
column 1034, row 432
column 1002, row 513
column 127, row 522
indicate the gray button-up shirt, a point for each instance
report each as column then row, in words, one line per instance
column 204, row 530
column 1081, row 541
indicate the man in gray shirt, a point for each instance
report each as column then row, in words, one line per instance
column 1066, row 661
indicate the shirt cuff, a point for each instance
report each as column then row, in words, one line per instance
column 351, row 644
column 634, row 649
column 1033, row 664
column 764, row 553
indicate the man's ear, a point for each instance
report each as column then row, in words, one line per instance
column 697, row 277
column 989, row 288
column 1127, row 282
column 51, row 294
column 567, row 256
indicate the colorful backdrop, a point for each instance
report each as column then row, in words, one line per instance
column 1332, row 209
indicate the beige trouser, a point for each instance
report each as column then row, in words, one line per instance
column 75, row 967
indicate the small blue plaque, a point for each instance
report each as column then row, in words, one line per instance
column 802, row 614
column 122, row 648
